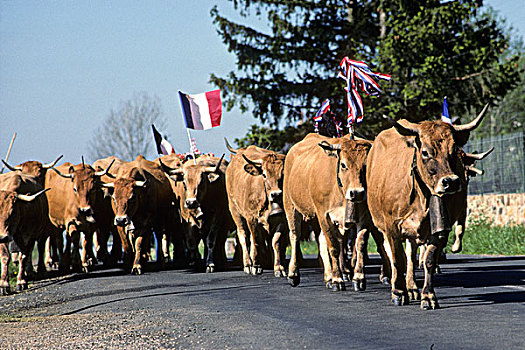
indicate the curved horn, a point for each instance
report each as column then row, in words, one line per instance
column 168, row 170
column 257, row 162
column 230, row 148
column 29, row 198
column 108, row 185
column 474, row 170
column 218, row 167
column 50, row 165
column 405, row 127
column 10, row 167
column 105, row 172
column 479, row 156
column 83, row 164
column 327, row 146
column 66, row 176
column 473, row 124
column 141, row 183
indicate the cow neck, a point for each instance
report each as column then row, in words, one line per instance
column 416, row 176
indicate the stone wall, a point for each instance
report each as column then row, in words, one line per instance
column 503, row 209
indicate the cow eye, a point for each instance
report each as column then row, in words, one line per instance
column 75, row 189
column 343, row 166
column 425, row 154
column 264, row 175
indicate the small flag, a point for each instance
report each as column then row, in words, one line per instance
column 163, row 146
column 444, row 116
column 202, row 111
column 319, row 115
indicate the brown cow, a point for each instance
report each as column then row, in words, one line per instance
column 39, row 170
column 411, row 168
column 23, row 219
column 142, row 199
column 254, row 184
column 72, row 207
column 204, row 207
column 105, row 217
column 324, row 182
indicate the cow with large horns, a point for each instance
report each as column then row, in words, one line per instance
column 23, row 220
column 142, row 199
column 412, row 168
column 72, row 207
column 324, row 183
column 254, row 184
column 39, row 170
column 204, row 206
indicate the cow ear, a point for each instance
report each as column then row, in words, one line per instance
column 212, row 177
column 330, row 150
column 252, row 169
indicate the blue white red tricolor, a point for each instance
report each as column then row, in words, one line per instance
column 445, row 116
column 319, row 115
column 358, row 75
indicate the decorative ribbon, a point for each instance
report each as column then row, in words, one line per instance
column 358, row 75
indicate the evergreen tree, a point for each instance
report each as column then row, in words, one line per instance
column 432, row 49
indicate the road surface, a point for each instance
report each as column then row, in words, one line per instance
column 482, row 307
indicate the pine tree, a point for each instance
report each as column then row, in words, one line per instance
column 431, row 48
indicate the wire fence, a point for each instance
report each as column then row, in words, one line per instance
column 504, row 167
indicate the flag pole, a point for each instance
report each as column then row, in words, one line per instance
column 191, row 146
column 8, row 152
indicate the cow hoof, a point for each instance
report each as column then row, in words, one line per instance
column 338, row 287
column 359, row 285
column 438, row 269
column 385, row 281
column 294, row 280
column 413, row 294
column 5, row 291
column 21, row 286
column 328, row 285
column 247, row 270
column 399, row 299
column 136, row 270
column 429, row 304
column 210, row 269
column 257, row 270
column 279, row 273
column 85, row 269
column 346, row 277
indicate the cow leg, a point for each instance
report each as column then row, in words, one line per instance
column 428, row 297
column 242, row 237
column 100, row 241
column 386, row 272
column 394, row 250
column 139, row 248
column 126, row 246
column 256, row 268
column 411, row 254
column 459, row 232
column 343, row 253
column 41, row 247
column 325, row 258
column 21, row 283
column 361, row 244
column 65, row 262
column 333, row 246
column 294, row 223
column 278, row 236
column 4, row 260
column 116, row 248
column 76, row 260
column 211, row 244
column 87, row 257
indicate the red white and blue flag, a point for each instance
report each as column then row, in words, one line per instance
column 324, row 108
column 358, row 75
column 202, row 111
column 163, row 146
column 445, row 116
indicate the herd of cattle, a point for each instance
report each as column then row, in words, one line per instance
column 408, row 186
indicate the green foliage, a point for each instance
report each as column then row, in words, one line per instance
column 482, row 238
column 432, row 50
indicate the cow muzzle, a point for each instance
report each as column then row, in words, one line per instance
column 356, row 195
column 192, row 203
column 87, row 212
column 448, row 185
column 122, row 221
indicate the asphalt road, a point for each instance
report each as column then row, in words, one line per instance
column 482, row 307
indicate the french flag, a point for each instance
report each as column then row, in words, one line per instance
column 163, row 145
column 202, row 111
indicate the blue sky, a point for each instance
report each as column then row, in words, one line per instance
column 65, row 64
